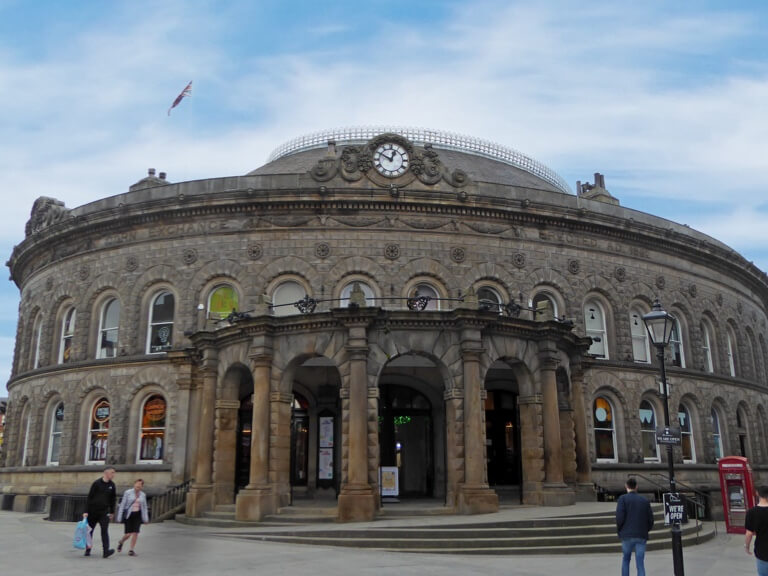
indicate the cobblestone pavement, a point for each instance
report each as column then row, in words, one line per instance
column 30, row 545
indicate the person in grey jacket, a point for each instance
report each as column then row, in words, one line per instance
column 634, row 519
column 132, row 510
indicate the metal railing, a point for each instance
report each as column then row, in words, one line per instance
column 439, row 138
column 169, row 503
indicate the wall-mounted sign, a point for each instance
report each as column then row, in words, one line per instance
column 669, row 435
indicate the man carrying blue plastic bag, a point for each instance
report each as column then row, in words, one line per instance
column 82, row 537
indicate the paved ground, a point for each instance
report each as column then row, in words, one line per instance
column 30, row 545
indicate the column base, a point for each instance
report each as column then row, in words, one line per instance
column 477, row 499
column 585, row 492
column 253, row 503
column 557, row 495
column 199, row 500
column 356, row 504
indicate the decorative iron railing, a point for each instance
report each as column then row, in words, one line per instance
column 439, row 138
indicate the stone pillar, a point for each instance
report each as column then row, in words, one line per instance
column 225, row 442
column 182, row 363
column 554, row 490
column 454, row 444
column 357, row 500
column 257, row 499
column 475, row 497
column 200, row 495
column 583, row 468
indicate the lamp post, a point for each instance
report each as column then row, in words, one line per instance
column 659, row 324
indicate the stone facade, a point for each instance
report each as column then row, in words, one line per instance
column 203, row 331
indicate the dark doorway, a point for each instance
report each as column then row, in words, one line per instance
column 299, row 440
column 405, row 431
column 502, row 438
column 243, row 447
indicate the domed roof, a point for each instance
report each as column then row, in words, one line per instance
column 483, row 161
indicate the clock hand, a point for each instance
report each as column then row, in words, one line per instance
column 390, row 158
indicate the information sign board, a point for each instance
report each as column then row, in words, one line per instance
column 674, row 509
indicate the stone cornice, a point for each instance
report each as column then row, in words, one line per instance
column 660, row 235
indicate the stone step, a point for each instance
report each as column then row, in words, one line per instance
column 428, row 541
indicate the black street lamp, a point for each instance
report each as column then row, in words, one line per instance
column 659, row 324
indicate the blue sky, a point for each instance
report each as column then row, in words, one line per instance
column 668, row 100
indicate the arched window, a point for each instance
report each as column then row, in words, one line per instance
column 648, row 432
column 731, row 351
column 641, row 351
column 706, row 347
column 605, row 437
column 542, row 302
column 677, row 356
column 54, row 441
column 741, row 429
column 285, row 295
column 686, row 428
column 152, row 435
column 489, row 299
column 37, row 338
column 67, row 334
column 160, row 337
column 346, row 292
column 221, row 301
column 717, row 437
column 98, row 432
column 594, row 321
column 424, row 289
column 108, row 329
column 26, row 424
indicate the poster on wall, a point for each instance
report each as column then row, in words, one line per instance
column 325, row 464
column 326, row 431
column 388, row 481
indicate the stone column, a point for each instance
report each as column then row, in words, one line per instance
column 475, row 497
column 357, row 500
column 257, row 499
column 200, row 495
column 583, row 468
column 182, row 363
column 555, row 492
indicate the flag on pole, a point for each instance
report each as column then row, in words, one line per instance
column 186, row 92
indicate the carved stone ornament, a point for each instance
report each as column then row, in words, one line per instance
column 693, row 290
column 458, row 254
column 719, row 299
column 131, row 263
column 739, row 307
column 357, row 161
column 49, row 283
column 518, row 260
column 84, row 272
column 189, row 256
column 45, row 212
column 255, row 251
column 620, row 273
column 392, row 251
column 574, row 266
column 660, row 282
column 322, row 250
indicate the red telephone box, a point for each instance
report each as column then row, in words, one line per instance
column 738, row 491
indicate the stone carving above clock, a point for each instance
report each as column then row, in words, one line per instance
column 388, row 160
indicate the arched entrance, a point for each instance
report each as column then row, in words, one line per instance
column 243, row 442
column 412, row 426
column 315, row 430
column 502, row 432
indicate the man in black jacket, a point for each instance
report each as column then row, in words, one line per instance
column 634, row 519
column 101, row 508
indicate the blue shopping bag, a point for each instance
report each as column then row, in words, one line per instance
column 82, row 534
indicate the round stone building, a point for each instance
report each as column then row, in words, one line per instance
column 375, row 312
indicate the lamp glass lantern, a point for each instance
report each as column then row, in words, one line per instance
column 659, row 324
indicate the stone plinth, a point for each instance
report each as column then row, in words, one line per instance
column 477, row 500
column 254, row 503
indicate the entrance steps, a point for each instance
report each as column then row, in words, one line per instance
column 503, row 534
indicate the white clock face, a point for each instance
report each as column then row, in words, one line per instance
column 391, row 160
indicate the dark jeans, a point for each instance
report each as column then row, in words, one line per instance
column 103, row 520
